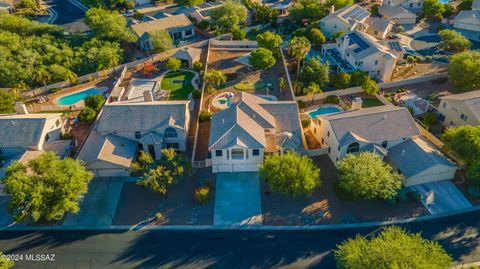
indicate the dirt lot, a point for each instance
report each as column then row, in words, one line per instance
column 404, row 71
column 324, row 207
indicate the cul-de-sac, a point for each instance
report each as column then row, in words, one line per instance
column 240, row 134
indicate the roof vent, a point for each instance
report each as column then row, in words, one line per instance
column 223, row 121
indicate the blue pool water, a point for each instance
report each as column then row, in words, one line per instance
column 71, row 99
column 324, row 110
column 268, row 98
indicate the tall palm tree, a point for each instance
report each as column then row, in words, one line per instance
column 311, row 90
column 70, row 76
column 282, row 84
column 298, row 48
column 215, row 77
column 18, row 88
column 41, row 75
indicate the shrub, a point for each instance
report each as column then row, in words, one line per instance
column 301, row 104
column 87, row 115
column 238, row 33
column 332, row 99
column 198, row 66
column 430, row 118
column 205, row 116
column 255, row 31
column 203, row 25
column 196, row 93
column 158, row 216
column 305, row 122
column 429, row 58
column 202, row 195
column 94, row 102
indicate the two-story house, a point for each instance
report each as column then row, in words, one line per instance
column 467, row 22
column 460, row 109
column 251, row 127
column 388, row 131
column 415, row 6
column 344, row 20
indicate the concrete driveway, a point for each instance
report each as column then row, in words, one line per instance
column 99, row 205
column 442, row 196
column 237, row 199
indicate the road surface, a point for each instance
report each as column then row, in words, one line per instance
column 219, row 248
column 66, row 11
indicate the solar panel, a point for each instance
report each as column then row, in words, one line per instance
column 357, row 13
column 359, row 41
column 394, row 45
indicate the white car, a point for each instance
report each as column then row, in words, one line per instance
column 129, row 13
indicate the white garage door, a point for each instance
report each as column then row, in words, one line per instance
column 224, row 168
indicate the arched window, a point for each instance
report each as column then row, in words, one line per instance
column 353, row 148
column 170, row 132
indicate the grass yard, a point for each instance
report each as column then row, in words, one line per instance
column 179, row 83
column 246, row 86
column 371, row 102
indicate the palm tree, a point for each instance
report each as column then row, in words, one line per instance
column 41, row 75
column 70, row 76
column 298, row 48
column 282, row 84
column 215, row 77
column 18, row 88
column 297, row 86
column 311, row 90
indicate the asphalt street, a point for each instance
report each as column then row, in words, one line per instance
column 220, row 248
column 65, row 11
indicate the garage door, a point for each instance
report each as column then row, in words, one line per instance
column 112, row 172
column 240, row 167
column 224, row 168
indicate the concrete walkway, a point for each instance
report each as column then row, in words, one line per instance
column 442, row 197
column 237, row 199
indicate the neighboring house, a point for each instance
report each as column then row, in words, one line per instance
column 467, row 22
column 358, row 50
column 24, row 136
column 202, row 12
column 460, row 109
column 125, row 127
column 379, row 28
column 5, row 6
column 251, row 127
column 179, row 27
column 398, row 15
column 415, row 6
column 188, row 56
column 344, row 20
column 389, row 131
column 283, row 6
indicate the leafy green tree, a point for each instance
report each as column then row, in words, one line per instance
column 46, row 188
column 393, row 247
column 465, row 5
column 316, row 37
column 95, row 102
column 87, row 115
column 311, row 90
column 96, row 55
column 144, row 162
column 314, row 71
column 282, row 84
column 340, row 80
column 263, row 14
column 229, row 16
column 308, row 10
column 464, row 70
column 41, row 75
column 298, row 48
column 448, row 11
column 359, row 77
column 189, row 3
column 430, row 118
column 290, row 174
column 410, row 59
column 261, row 59
column 171, row 169
column 7, row 102
column 464, row 142
column 339, row 3
column 270, row 41
column 173, row 63
column 5, row 263
column 366, row 176
column 161, row 41
column 453, row 41
column 109, row 25
column 238, row 33
column 370, row 87
column 25, row 27
column 198, row 66
column 433, row 9
column 214, row 78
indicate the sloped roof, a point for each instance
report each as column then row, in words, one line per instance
column 375, row 124
column 141, row 117
column 378, row 24
column 162, row 24
column 362, row 45
column 476, row 5
column 245, row 121
column 470, row 99
column 110, row 148
column 395, row 12
column 22, row 130
column 414, row 156
column 349, row 14
column 466, row 14
column 188, row 53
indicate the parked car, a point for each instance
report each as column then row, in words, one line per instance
column 129, row 13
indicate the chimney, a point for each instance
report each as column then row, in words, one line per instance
column 147, row 96
column 332, row 9
column 21, row 108
column 357, row 103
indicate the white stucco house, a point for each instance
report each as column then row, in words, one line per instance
column 460, row 109
column 358, row 50
column 344, row 20
column 415, row 6
column 251, row 127
column 388, row 131
column 378, row 27
column 398, row 15
column 467, row 22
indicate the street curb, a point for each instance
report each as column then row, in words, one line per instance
column 238, row 227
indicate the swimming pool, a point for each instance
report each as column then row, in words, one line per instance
column 324, row 110
column 74, row 98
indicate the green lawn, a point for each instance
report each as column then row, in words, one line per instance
column 178, row 91
column 246, row 85
column 371, row 102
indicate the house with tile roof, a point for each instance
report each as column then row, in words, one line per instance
column 343, row 20
column 460, row 109
column 398, row 15
column 178, row 26
column 125, row 127
column 415, row 6
column 378, row 27
column 358, row 50
column 188, row 56
column 388, row 131
column 467, row 22
column 251, row 127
